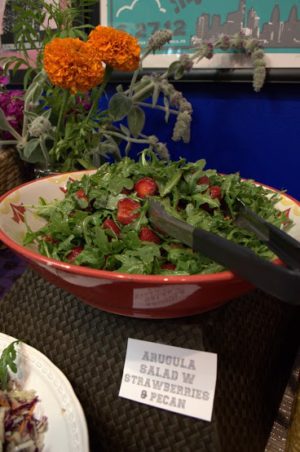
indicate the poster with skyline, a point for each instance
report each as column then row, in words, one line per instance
column 276, row 23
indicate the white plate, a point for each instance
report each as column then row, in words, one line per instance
column 67, row 429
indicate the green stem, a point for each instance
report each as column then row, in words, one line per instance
column 125, row 137
column 4, row 142
column 157, row 107
column 99, row 92
column 133, row 80
column 25, row 121
column 143, row 91
column 45, row 152
column 62, row 111
column 15, row 134
column 30, row 95
column 147, row 52
column 136, row 73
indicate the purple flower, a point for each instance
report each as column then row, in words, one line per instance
column 85, row 102
column 4, row 99
column 4, row 80
column 12, row 105
column 12, row 109
column 16, row 93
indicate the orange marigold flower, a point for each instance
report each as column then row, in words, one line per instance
column 116, row 48
column 72, row 64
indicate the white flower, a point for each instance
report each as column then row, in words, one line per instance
column 159, row 39
column 39, row 126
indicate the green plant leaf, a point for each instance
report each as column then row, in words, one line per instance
column 125, row 130
column 119, row 106
column 173, row 68
column 4, row 124
column 136, row 120
column 27, row 77
column 155, row 94
column 179, row 72
column 47, row 113
column 30, row 153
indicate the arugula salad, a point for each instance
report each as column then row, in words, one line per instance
column 103, row 220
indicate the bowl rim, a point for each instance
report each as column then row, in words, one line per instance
column 31, row 255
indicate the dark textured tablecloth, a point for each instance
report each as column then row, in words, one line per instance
column 11, row 268
column 256, row 338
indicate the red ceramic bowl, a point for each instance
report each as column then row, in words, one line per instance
column 145, row 296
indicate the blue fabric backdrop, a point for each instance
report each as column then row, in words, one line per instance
column 238, row 130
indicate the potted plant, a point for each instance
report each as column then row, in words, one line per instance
column 68, row 122
column 12, row 168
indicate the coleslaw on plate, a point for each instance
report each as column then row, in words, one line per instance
column 20, row 428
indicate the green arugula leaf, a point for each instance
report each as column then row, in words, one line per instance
column 71, row 225
column 7, row 361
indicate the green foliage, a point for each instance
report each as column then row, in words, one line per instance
column 65, row 131
column 119, row 106
column 136, row 119
column 4, row 124
column 71, row 225
column 7, row 361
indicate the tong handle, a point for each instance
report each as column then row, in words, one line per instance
column 274, row 279
column 282, row 244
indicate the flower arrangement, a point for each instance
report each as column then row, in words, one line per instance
column 68, row 122
column 12, row 106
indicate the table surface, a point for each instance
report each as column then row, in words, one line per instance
column 65, row 329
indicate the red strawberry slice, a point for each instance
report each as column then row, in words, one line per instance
column 204, row 180
column 286, row 213
column 80, row 194
column 81, row 198
column 128, row 210
column 168, row 266
column 147, row 235
column 215, row 192
column 71, row 256
column 145, row 187
column 110, row 224
column 49, row 239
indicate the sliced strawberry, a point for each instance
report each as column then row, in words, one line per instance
column 80, row 194
column 215, row 192
column 147, row 235
column 71, row 256
column 168, row 266
column 286, row 213
column 128, row 210
column 204, row 180
column 49, row 239
column 82, row 199
column 110, row 224
column 145, row 187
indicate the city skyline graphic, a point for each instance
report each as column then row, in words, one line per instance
column 276, row 33
column 276, row 23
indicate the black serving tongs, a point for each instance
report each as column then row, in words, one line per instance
column 278, row 241
column 277, row 280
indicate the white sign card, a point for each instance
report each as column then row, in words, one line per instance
column 172, row 378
